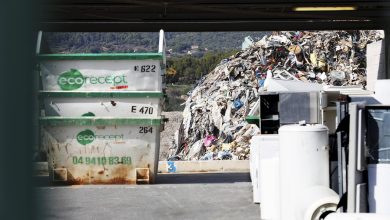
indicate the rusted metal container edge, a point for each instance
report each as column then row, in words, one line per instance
column 101, row 154
column 166, row 167
column 94, row 121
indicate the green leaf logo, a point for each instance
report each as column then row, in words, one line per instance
column 88, row 114
column 70, row 80
column 85, row 137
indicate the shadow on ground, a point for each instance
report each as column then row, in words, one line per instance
column 202, row 178
column 176, row 178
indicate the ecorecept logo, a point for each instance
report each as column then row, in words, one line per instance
column 73, row 79
column 87, row 136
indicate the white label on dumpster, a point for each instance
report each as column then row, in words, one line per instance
column 101, row 154
column 102, row 75
column 101, row 107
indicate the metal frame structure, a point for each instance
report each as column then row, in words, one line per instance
column 356, row 185
column 341, row 112
column 210, row 15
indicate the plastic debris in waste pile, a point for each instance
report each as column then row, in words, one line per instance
column 214, row 115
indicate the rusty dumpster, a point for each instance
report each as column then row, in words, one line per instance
column 92, row 150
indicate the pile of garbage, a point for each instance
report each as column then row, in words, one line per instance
column 214, row 125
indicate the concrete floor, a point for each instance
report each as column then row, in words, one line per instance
column 175, row 196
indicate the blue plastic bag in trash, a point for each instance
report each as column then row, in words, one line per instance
column 237, row 104
column 261, row 82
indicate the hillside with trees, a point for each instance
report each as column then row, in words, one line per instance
column 127, row 42
column 188, row 70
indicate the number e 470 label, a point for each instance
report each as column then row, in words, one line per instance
column 142, row 110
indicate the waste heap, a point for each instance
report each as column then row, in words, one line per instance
column 214, row 123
